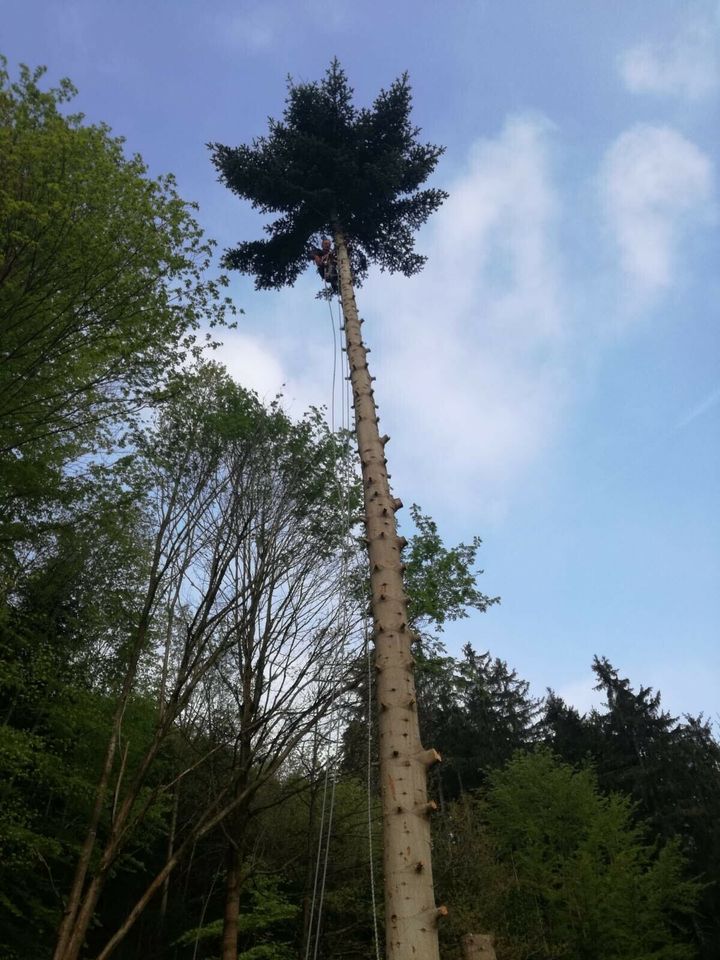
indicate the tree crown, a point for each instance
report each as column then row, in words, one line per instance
column 328, row 165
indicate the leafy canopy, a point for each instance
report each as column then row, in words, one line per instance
column 441, row 582
column 102, row 281
column 561, row 872
column 327, row 166
column 103, row 291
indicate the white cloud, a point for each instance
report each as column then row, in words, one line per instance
column 653, row 182
column 260, row 26
column 475, row 355
column 471, row 350
column 250, row 361
column 687, row 66
column 294, row 362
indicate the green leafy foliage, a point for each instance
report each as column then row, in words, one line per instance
column 441, row 582
column 559, row 870
column 477, row 712
column 669, row 768
column 289, row 837
column 102, row 290
column 103, row 424
column 266, row 917
column 328, row 165
column 441, row 586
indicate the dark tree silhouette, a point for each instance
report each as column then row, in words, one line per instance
column 328, row 164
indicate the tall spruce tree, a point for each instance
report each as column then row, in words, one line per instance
column 330, row 168
column 480, row 717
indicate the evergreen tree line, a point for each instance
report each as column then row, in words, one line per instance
column 183, row 678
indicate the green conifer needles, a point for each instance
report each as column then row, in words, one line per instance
column 328, row 164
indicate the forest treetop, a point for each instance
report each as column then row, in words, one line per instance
column 104, row 288
column 330, row 164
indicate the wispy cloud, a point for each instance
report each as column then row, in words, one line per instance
column 257, row 27
column 653, row 182
column 268, row 364
column 686, row 66
column 710, row 401
column 472, row 349
column 477, row 356
column 253, row 363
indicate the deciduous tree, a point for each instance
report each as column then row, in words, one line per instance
column 103, row 287
column 558, row 870
column 245, row 521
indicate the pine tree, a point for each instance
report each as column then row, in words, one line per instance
column 572, row 736
column 671, row 770
column 496, row 716
column 330, row 168
column 557, row 870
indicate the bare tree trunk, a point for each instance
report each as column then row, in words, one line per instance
column 232, row 904
column 411, row 916
column 72, row 929
column 310, row 849
column 76, row 918
column 478, row 946
column 170, row 848
column 67, row 924
column 210, row 820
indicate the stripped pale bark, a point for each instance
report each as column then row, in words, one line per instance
column 411, row 916
column 478, row 946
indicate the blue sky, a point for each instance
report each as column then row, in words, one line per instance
column 551, row 381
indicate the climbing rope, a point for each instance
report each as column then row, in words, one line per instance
column 317, row 872
column 371, row 852
column 334, row 369
column 327, row 812
column 325, row 866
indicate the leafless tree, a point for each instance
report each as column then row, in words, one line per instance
column 241, row 621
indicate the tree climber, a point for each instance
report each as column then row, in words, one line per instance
column 326, row 263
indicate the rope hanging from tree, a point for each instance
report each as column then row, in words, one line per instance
column 322, row 858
